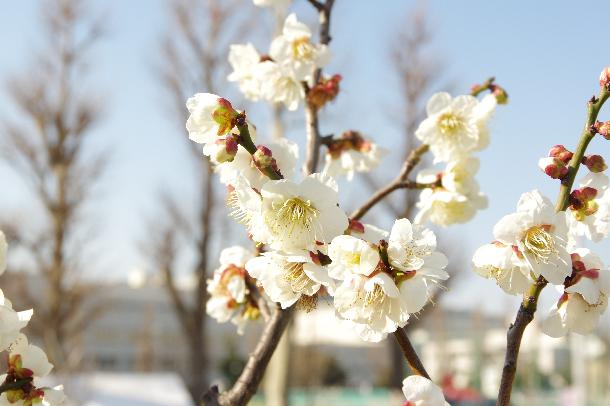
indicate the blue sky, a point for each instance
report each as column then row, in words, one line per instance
column 547, row 55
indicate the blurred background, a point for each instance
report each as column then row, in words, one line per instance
column 115, row 222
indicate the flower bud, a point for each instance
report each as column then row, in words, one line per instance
column 553, row 167
column 224, row 149
column 263, row 158
column 603, row 128
column 355, row 226
column 499, row 93
column 595, row 163
column 560, row 152
column 604, row 77
column 324, row 91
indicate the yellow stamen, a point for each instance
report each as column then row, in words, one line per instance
column 298, row 279
column 450, row 123
column 540, row 244
column 302, row 49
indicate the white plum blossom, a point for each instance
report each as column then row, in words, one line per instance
column 421, row 391
column 299, row 215
column 444, row 208
column 458, row 176
column 288, row 276
column 456, row 198
column 279, row 85
column 31, row 357
column 285, row 153
column 245, row 203
column 592, row 219
column 484, row 111
column 244, row 59
column 11, row 322
column 352, row 153
column 379, row 297
column 373, row 300
column 573, row 314
column 294, row 50
column 412, row 251
column 590, row 278
column 351, row 255
column 228, row 289
column 350, row 161
column 504, row 264
column 539, row 234
column 455, row 127
column 201, row 126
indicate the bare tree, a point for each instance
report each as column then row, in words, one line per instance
column 45, row 144
column 193, row 59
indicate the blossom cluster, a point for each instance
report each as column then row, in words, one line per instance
column 26, row 363
column 538, row 244
column 456, row 128
column 277, row 77
column 306, row 244
column 377, row 278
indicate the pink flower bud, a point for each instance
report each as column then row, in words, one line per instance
column 603, row 128
column 595, row 163
column 604, row 77
column 324, row 91
column 553, row 167
column 560, row 152
column 263, row 158
column 226, row 149
column 355, row 226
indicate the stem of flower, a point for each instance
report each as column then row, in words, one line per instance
column 409, row 352
column 245, row 140
column 593, row 108
column 14, row 385
column 400, row 182
column 530, row 300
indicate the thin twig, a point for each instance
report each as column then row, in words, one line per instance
column 400, row 182
column 311, row 112
column 409, row 353
column 530, row 301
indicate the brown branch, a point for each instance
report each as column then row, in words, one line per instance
column 311, row 112
column 400, row 182
column 513, row 340
column 409, row 353
column 253, row 372
column 530, row 300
